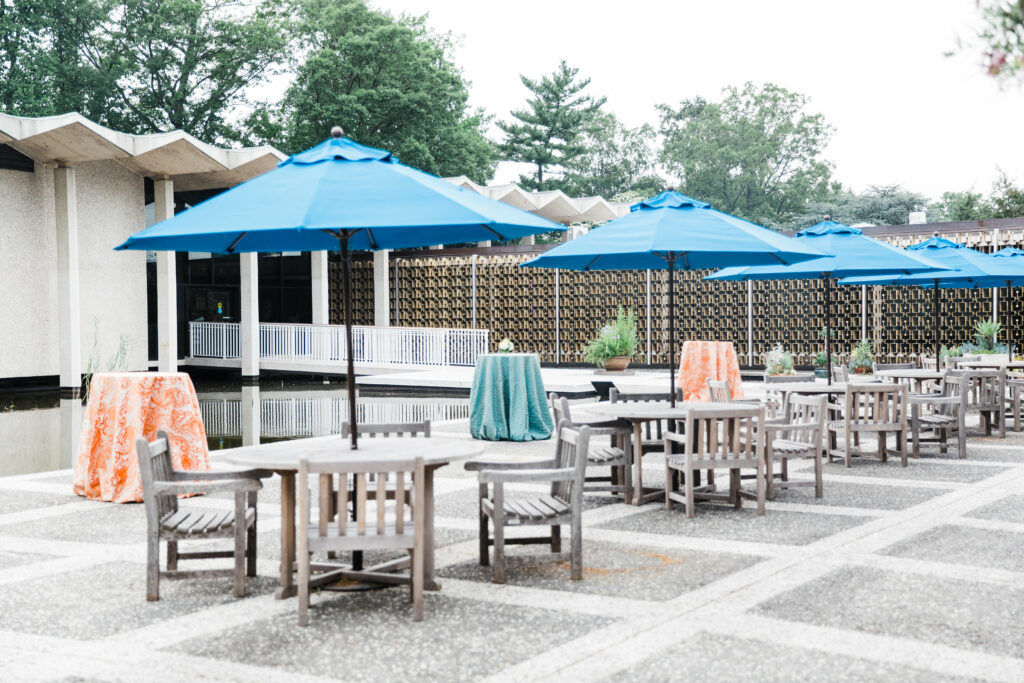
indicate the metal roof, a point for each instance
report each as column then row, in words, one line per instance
column 554, row 205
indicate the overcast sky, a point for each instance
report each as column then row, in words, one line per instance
column 903, row 112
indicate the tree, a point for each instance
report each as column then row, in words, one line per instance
column 616, row 162
column 1002, row 37
column 756, row 154
column 548, row 133
column 880, row 205
column 960, row 206
column 1007, row 199
column 389, row 82
column 142, row 66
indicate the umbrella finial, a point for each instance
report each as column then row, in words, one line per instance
column 826, row 217
column 337, row 132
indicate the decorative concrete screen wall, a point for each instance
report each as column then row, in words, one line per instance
column 556, row 314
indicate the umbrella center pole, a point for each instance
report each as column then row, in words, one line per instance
column 350, row 379
column 935, row 324
column 671, row 329
column 828, row 327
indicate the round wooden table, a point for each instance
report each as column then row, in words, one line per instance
column 917, row 375
column 283, row 458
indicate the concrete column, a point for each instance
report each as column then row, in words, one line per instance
column 70, row 429
column 529, row 240
column 250, row 414
column 484, row 245
column 250, row 289
column 166, row 284
column 321, row 290
column 436, row 247
column 381, row 289
column 68, row 310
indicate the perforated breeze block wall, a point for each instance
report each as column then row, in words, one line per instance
column 520, row 303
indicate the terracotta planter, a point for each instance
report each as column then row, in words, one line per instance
column 616, row 364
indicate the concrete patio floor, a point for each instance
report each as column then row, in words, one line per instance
column 912, row 574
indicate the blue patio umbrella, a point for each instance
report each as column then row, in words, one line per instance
column 345, row 195
column 966, row 268
column 672, row 231
column 849, row 253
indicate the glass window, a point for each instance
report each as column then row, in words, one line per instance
column 225, row 270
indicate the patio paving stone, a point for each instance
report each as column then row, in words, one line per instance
column 965, row 545
column 1008, row 509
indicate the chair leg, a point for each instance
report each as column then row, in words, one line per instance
column 848, row 453
column 901, row 445
column 688, row 485
column 671, row 484
column 153, row 566
column 240, row 534
column 250, row 545
column 417, row 585
column 484, row 532
column 761, row 483
column 556, row 538
column 576, row 547
column 769, row 467
column 734, row 489
column 498, row 575
column 172, row 555
column 819, row 483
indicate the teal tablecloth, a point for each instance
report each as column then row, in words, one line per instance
column 507, row 401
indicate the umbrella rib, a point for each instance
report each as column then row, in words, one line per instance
column 492, row 231
column 369, row 235
column 592, row 262
column 231, row 248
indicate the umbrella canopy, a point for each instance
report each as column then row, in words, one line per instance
column 339, row 187
column 850, row 253
column 672, row 231
column 672, row 228
column 339, row 194
column 966, row 268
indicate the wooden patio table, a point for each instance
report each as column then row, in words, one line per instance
column 918, row 375
column 993, row 364
column 637, row 414
column 283, row 458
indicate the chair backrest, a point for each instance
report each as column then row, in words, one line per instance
column 805, row 410
column 571, row 447
column 390, row 429
column 559, row 407
column 953, row 362
column 155, row 465
column 990, row 385
column 365, row 479
column 875, row 367
column 840, row 373
column 877, row 404
column 652, row 429
column 723, row 433
column 954, row 384
column 719, row 391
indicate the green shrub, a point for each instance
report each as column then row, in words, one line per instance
column 617, row 338
column 778, row 361
column 985, row 333
column 862, row 356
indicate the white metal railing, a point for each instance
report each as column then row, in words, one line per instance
column 319, row 416
column 325, row 344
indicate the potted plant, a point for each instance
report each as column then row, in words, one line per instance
column 821, row 361
column 985, row 334
column 778, row 361
column 862, row 358
column 615, row 343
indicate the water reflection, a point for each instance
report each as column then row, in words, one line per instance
column 253, row 417
column 40, row 438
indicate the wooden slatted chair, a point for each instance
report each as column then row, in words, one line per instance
column 840, row 373
column 563, row 505
column 715, row 438
column 1015, row 400
column 614, row 456
column 719, row 391
column 386, row 529
column 161, row 485
column 878, row 409
column 798, row 434
column 990, row 393
column 941, row 414
column 875, row 367
column 653, row 430
column 775, row 399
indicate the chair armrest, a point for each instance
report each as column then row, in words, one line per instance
column 792, row 427
column 188, row 487
column 525, row 476
column 674, row 436
column 934, row 400
column 480, row 465
column 219, row 475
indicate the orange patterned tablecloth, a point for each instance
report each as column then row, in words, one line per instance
column 123, row 407
column 704, row 360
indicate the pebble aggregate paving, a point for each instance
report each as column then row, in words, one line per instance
column 897, row 574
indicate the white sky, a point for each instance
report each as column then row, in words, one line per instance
column 903, row 112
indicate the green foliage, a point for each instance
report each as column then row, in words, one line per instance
column 778, row 361
column 985, row 333
column 389, row 82
column 142, row 66
column 1002, row 37
column 549, row 133
column 960, row 206
column 862, row 356
column 616, row 161
column 821, row 359
column 116, row 362
column 945, row 352
column 617, row 338
column 757, row 153
column 1007, row 198
column 880, row 205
